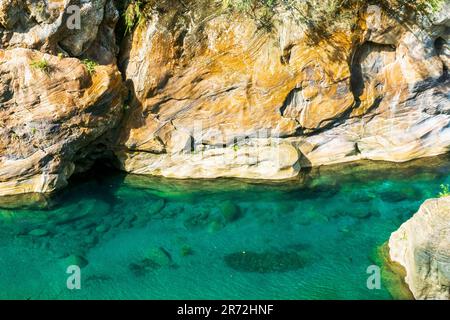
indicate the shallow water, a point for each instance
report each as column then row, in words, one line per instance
column 142, row 237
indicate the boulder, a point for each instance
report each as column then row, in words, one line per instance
column 422, row 246
column 52, row 111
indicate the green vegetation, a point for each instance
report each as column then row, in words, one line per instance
column 320, row 15
column 42, row 65
column 445, row 190
column 133, row 15
column 90, row 65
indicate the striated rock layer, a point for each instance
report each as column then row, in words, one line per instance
column 374, row 89
column 50, row 118
column 56, row 113
column 422, row 247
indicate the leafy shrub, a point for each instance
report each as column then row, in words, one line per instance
column 133, row 15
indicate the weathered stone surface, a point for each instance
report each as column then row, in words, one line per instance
column 380, row 91
column 266, row 161
column 49, row 115
column 50, row 26
column 422, row 247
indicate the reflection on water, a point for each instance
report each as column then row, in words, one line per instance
column 142, row 237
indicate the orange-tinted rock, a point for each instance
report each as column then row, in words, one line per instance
column 49, row 114
column 375, row 91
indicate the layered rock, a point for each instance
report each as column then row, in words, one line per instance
column 201, row 79
column 422, row 247
column 74, row 28
column 52, row 110
column 55, row 111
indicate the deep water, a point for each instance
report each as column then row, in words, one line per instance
column 141, row 237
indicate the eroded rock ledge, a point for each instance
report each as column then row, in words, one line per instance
column 421, row 246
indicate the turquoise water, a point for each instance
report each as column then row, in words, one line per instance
column 143, row 237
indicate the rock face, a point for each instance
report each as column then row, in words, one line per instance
column 213, row 93
column 50, row 117
column 204, row 80
column 55, row 112
column 422, row 247
column 75, row 28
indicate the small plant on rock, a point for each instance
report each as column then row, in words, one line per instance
column 42, row 65
column 90, row 65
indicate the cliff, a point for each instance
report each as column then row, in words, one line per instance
column 213, row 91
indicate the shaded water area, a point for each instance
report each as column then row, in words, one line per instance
column 312, row 237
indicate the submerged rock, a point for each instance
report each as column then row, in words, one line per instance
column 159, row 256
column 422, row 246
column 186, row 250
column 392, row 196
column 38, row 232
column 198, row 219
column 156, row 206
column 267, row 261
column 215, row 225
column 76, row 260
column 155, row 258
column 230, row 211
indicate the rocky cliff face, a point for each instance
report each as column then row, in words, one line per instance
column 210, row 91
column 421, row 246
column 54, row 110
column 213, row 93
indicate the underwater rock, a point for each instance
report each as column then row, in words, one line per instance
column 102, row 228
column 266, row 261
column 310, row 216
column 159, row 256
column 421, row 245
column 186, row 250
column 38, row 232
column 156, row 258
column 76, row 260
column 362, row 196
column 215, row 225
column 157, row 206
column 200, row 219
column 230, row 211
column 392, row 196
column 359, row 212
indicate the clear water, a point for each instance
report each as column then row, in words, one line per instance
column 142, row 237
